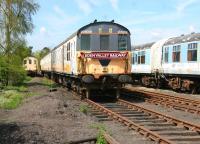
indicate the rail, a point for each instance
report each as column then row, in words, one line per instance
column 176, row 102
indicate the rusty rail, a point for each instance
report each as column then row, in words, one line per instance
column 185, row 124
column 142, row 130
column 89, row 140
column 176, row 102
column 108, row 138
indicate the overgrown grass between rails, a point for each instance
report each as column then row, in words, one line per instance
column 101, row 129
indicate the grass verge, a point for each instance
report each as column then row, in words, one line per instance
column 10, row 99
column 12, row 96
column 49, row 83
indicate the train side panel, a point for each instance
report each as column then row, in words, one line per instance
column 156, row 56
column 184, row 66
column 70, row 56
column 45, row 63
column 141, row 66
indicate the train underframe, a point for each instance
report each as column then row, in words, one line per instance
column 32, row 73
column 182, row 83
column 87, row 84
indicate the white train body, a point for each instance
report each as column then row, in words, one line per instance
column 175, row 61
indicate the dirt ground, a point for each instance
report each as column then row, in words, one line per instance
column 54, row 117
column 49, row 117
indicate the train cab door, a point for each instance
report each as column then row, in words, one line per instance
column 73, row 58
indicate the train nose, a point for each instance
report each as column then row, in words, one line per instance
column 125, row 79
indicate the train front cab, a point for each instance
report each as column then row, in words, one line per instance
column 104, row 56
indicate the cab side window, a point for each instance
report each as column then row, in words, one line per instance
column 122, row 42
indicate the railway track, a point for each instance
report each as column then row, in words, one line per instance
column 176, row 102
column 108, row 138
column 156, row 126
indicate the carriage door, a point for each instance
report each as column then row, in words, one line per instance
column 72, row 61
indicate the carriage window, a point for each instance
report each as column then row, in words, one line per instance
column 192, row 52
column 166, row 54
column 30, row 61
column 110, row 30
column 134, row 58
column 65, row 52
column 104, row 42
column 176, row 53
column 122, row 42
column 25, row 61
column 68, row 52
column 141, row 57
column 85, row 42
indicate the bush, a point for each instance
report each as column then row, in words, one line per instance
column 10, row 99
column 11, row 73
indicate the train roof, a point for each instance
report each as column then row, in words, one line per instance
column 183, row 38
column 102, row 22
column 88, row 25
column 142, row 46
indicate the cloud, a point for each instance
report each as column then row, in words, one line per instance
column 150, row 18
column 184, row 4
column 61, row 19
column 43, row 30
column 191, row 28
column 85, row 6
column 114, row 4
column 141, row 36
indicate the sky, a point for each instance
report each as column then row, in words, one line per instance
column 147, row 20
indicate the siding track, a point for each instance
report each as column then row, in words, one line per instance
column 160, row 128
column 176, row 102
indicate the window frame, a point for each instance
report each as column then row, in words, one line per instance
column 30, row 61
column 68, row 51
column 176, row 51
column 81, row 40
column 192, row 47
column 126, row 40
column 108, row 42
column 166, row 53
column 141, row 57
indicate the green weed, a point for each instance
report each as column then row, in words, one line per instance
column 101, row 129
column 49, row 83
column 10, row 99
column 84, row 108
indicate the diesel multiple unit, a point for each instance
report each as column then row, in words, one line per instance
column 97, row 56
column 173, row 62
column 31, row 65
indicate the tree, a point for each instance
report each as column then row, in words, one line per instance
column 15, row 23
column 40, row 54
column 22, row 50
column 15, row 20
